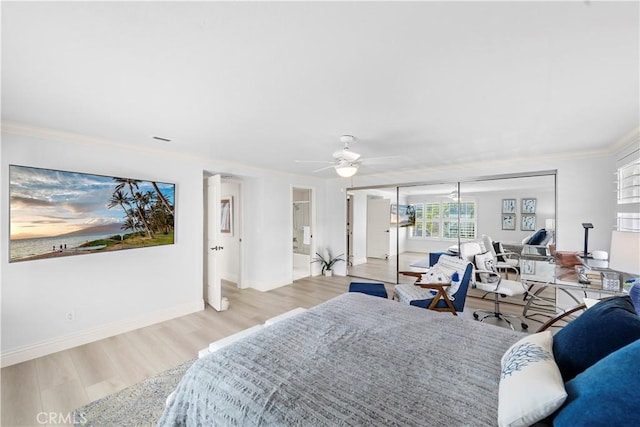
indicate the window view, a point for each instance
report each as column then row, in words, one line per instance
column 440, row 220
column 629, row 197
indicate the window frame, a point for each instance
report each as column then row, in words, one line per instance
column 444, row 222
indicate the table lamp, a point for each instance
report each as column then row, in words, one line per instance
column 587, row 226
column 624, row 255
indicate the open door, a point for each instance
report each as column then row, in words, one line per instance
column 214, row 285
column 378, row 227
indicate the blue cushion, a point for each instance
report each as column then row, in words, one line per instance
column 434, row 256
column 538, row 237
column 634, row 293
column 606, row 394
column 604, row 328
column 374, row 289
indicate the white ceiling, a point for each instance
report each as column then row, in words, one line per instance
column 265, row 83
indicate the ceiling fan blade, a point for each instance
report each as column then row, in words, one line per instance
column 313, row 161
column 324, row 168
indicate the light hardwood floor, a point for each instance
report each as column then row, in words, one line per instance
column 55, row 385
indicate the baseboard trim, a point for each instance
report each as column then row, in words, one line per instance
column 84, row 337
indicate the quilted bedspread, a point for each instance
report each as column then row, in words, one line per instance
column 355, row 360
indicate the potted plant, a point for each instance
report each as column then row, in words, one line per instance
column 327, row 261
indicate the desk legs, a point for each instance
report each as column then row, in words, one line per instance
column 536, row 296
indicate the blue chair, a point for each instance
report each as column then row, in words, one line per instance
column 373, row 289
column 460, row 295
column 420, row 297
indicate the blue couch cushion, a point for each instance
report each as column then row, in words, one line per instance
column 538, row 237
column 604, row 328
column 374, row 289
column 606, row 394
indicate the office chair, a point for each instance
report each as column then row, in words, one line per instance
column 489, row 280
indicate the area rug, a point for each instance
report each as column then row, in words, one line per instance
column 139, row 405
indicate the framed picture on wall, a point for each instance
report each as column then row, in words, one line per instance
column 508, row 206
column 226, row 215
column 55, row 213
column 528, row 206
column 508, row 221
column 528, row 223
column 528, row 266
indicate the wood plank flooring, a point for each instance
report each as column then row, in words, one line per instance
column 46, row 390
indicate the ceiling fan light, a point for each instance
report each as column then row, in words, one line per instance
column 346, row 171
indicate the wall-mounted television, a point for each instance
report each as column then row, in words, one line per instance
column 403, row 215
column 56, row 213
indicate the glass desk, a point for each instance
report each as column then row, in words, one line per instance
column 541, row 273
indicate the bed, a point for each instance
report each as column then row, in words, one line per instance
column 353, row 360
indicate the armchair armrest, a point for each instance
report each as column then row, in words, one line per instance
column 433, row 285
column 416, row 274
column 561, row 316
column 507, row 254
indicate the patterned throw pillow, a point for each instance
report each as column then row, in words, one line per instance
column 485, row 262
column 437, row 274
column 531, row 387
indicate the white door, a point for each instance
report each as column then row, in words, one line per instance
column 214, row 285
column 378, row 225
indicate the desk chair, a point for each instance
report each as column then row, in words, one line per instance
column 503, row 260
column 488, row 279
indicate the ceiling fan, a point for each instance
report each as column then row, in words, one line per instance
column 345, row 161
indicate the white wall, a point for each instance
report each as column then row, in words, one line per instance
column 109, row 292
column 267, row 235
column 119, row 291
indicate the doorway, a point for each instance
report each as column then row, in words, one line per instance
column 301, row 221
column 222, row 237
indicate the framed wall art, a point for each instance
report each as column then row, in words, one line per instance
column 528, row 223
column 508, row 206
column 528, row 206
column 528, row 267
column 54, row 213
column 226, row 215
column 508, row 221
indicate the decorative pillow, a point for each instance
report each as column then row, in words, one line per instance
column 485, row 262
column 437, row 274
column 604, row 328
column 538, row 237
column 606, row 394
column 531, row 386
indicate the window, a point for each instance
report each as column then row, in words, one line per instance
column 628, row 215
column 629, row 183
column 440, row 220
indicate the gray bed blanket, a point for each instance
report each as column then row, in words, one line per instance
column 355, row 360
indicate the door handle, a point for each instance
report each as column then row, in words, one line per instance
column 216, row 248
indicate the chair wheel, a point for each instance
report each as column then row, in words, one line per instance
column 475, row 316
column 524, row 326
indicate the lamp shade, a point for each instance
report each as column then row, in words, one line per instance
column 625, row 252
column 346, row 171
